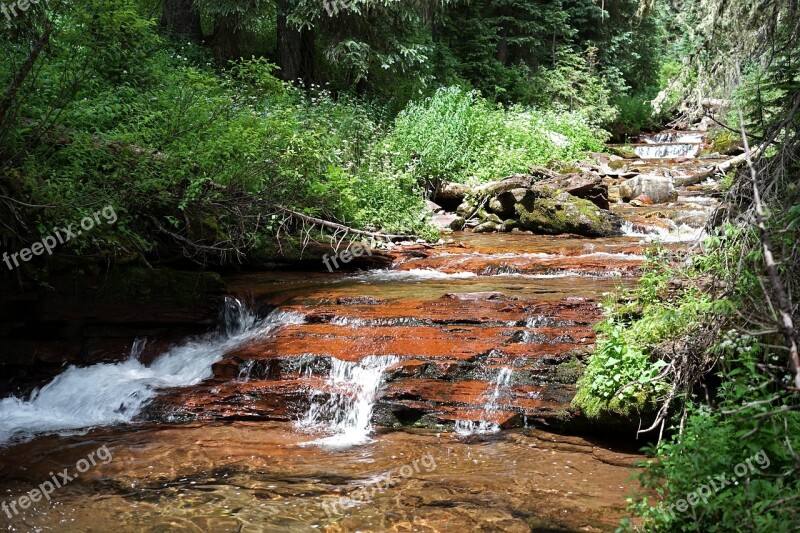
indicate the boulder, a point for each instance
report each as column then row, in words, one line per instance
column 556, row 212
column 486, row 227
column 509, row 225
column 656, row 189
column 458, row 224
column 587, row 186
column 503, row 203
column 451, row 193
column 466, row 209
column 445, row 220
column 433, row 207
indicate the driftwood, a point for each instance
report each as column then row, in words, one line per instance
column 722, row 168
column 341, row 227
column 326, row 223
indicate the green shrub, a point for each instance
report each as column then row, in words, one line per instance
column 714, row 441
column 459, row 136
column 619, row 379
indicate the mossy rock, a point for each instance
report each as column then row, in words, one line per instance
column 467, row 208
column 458, row 224
column 489, row 217
column 623, row 151
column 570, row 371
column 503, row 204
column 509, row 225
column 486, row 227
column 554, row 212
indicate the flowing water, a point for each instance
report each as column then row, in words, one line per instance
column 669, row 144
column 414, row 398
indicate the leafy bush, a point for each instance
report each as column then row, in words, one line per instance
column 619, row 379
column 457, row 135
column 713, row 442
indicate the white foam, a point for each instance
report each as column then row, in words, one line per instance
column 105, row 394
column 346, row 414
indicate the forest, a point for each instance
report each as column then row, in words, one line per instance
column 224, row 138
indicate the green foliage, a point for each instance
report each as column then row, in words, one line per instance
column 714, row 441
column 572, row 83
column 458, row 135
column 168, row 137
column 635, row 114
column 619, row 379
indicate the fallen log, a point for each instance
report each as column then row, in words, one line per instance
column 340, row 227
column 721, row 168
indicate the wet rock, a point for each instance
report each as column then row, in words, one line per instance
column 641, row 201
column 560, row 212
column 475, row 296
column 457, row 224
column 657, row 189
column 358, row 300
column 486, row 227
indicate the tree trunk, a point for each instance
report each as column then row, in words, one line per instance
column 226, row 40
column 295, row 50
column 181, row 17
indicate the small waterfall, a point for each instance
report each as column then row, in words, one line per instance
column 665, row 151
column 105, row 394
column 245, row 369
column 668, row 137
column 678, row 232
column 490, row 407
column 353, row 388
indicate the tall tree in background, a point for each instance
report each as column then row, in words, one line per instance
column 182, row 18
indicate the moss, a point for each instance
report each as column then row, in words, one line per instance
column 623, row 151
column 725, row 142
column 556, row 212
column 570, row 371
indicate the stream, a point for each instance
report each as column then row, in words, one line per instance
column 423, row 397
